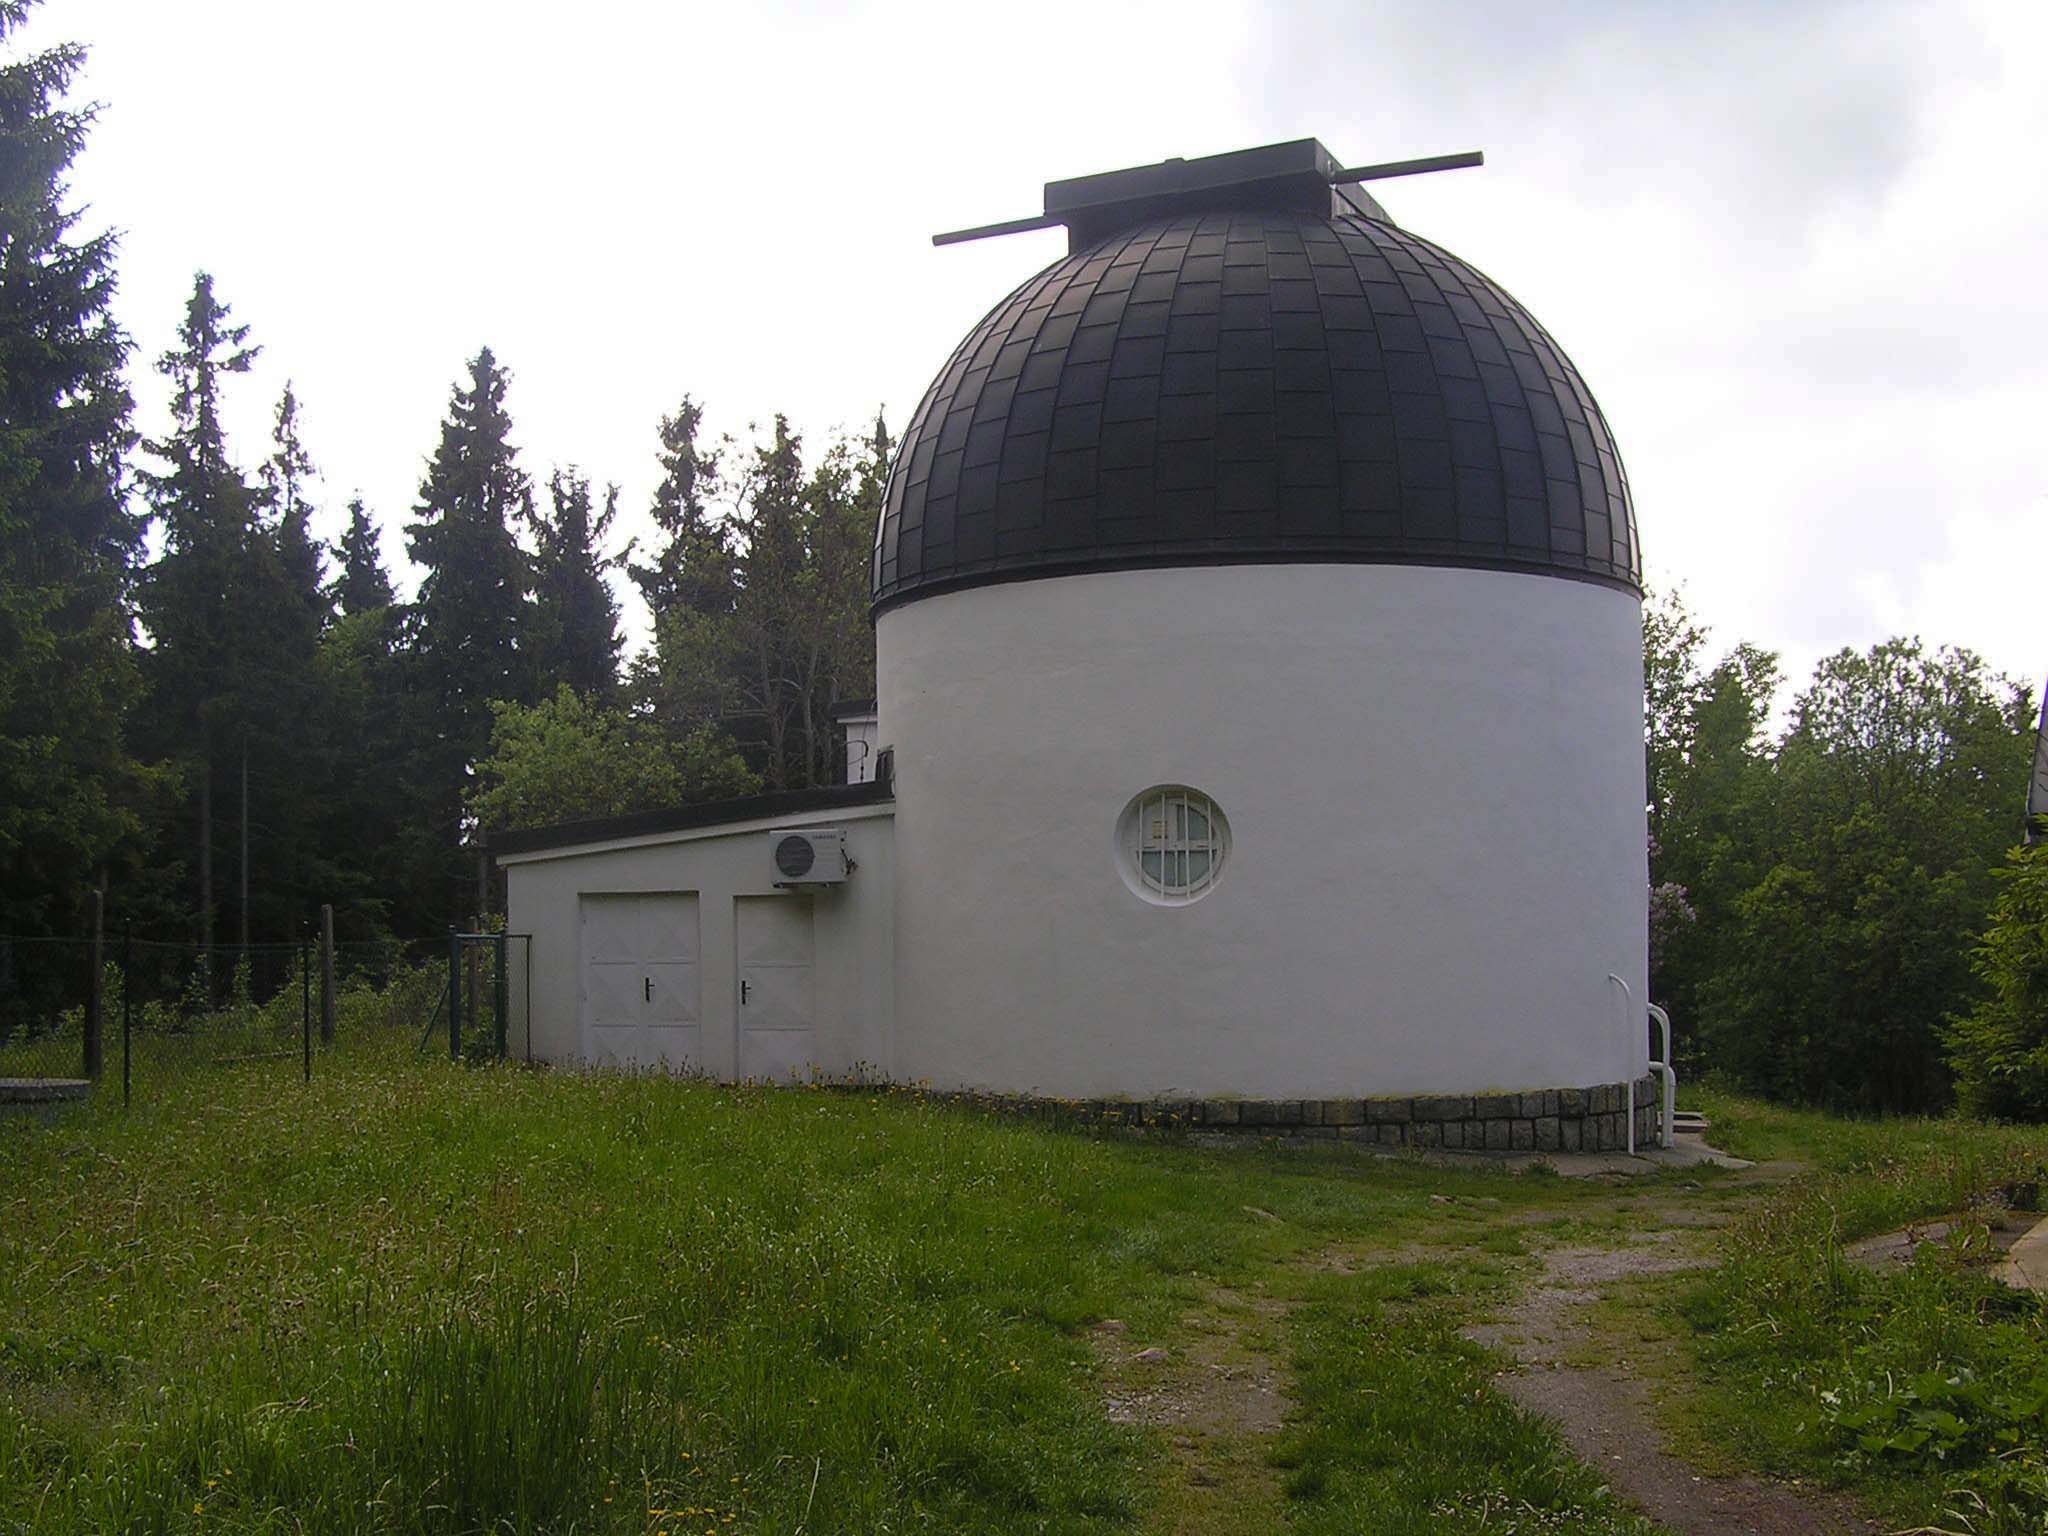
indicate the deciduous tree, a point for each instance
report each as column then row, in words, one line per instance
column 569, row 759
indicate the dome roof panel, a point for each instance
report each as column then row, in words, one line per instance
column 1254, row 386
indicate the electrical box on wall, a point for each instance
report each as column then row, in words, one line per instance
column 810, row 856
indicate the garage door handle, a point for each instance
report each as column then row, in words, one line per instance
column 647, row 988
column 743, row 992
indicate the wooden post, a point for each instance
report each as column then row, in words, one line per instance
column 306, row 999
column 206, row 874
column 242, row 895
column 472, row 973
column 326, row 974
column 127, row 1001
column 95, row 997
column 454, row 993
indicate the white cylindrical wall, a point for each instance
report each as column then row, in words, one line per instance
column 1434, row 785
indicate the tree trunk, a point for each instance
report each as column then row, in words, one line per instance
column 206, row 874
column 243, row 928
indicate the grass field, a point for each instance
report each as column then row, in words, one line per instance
column 412, row 1296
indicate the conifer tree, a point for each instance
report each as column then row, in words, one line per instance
column 693, row 565
column 768, row 610
column 474, row 603
column 362, row 585
column 285, row 477
column 690, row 586
column 234, row 701
column 194, row 596
column 577, row 618
column 69, row 785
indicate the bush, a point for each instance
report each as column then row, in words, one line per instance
column 1999, row 1052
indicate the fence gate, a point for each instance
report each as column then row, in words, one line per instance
column 477, row 1000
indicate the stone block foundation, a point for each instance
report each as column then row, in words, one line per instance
column 1548, row 1120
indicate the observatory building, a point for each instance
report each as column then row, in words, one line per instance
column 1259, row 724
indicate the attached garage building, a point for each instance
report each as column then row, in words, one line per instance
column 663, row 942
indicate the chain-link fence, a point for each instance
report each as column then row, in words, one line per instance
column 150, row 1012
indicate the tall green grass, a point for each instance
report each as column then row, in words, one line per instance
column 1926, row 1387
column 416, row 1297
column 1404, row 1435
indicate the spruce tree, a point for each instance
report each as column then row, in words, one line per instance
column 384, row 875
column 285, row 477
column 577, row 618
column 198, row 708
column 769, row 610
column 474, row 604
column 363, row 585
column 693, row 566
column 69, row 785
column 690, row 586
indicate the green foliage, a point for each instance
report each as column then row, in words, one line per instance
column 71, row 790
column 570, row 759
column 469, row 635
column 234, row 608
column 694, row 566
column 1709, row 776
column 2000, row 1049
column 1893, row 796
column 362, row 584
column 1927, row 1386
column 1401, row 1434
column 285, row 476
column 1835, row 879
column 576, row 620
column 761, row 617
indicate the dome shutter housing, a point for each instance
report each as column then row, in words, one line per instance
column 1239, row 377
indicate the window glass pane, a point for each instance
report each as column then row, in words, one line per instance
column 1172, row 844
column 1155, row 823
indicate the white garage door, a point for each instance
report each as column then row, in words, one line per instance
column 776, row 998
column 640, row 982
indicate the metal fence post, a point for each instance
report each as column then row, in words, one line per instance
column 306, row 1000
column 95, row 997
column 127, row 1001
column 500, row 996
column 454, row 993
column 326, row 974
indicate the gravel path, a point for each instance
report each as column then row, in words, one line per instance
column 1606, row 1413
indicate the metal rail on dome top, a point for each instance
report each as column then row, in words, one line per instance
column 1385, row 171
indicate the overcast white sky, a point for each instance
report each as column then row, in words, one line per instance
column 1800, row 250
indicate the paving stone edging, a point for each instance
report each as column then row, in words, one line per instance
column 1543, row 1120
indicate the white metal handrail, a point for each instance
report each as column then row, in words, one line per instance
column 1669, row 1073
column 1668, row 1120
column 1628, row 1003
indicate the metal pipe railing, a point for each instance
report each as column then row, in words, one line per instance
column 1669, row 1073
column 1628, row 1000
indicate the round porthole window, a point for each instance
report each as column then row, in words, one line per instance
column 1171, row 844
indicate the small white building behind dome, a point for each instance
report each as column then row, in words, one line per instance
column 1259, row 718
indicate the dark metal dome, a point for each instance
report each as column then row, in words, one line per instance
column 1254, row 386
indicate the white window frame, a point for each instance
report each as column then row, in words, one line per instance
column 1156, row 830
